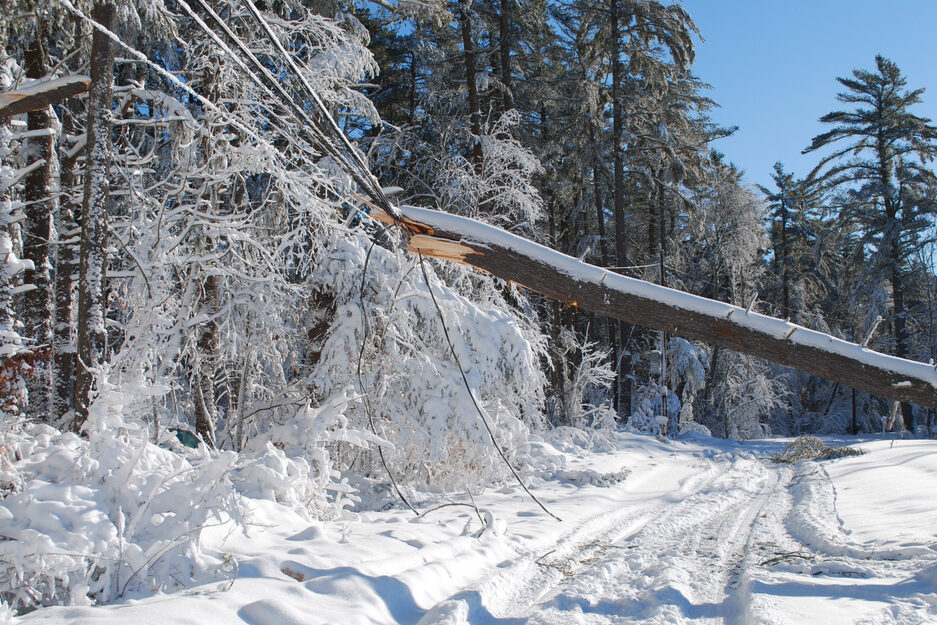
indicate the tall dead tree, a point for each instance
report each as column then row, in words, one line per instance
column 92, row 262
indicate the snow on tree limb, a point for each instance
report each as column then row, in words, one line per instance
column 567, row 279
column 38, row 94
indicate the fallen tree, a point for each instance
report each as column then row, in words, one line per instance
column 40, row 94
column 561, row 277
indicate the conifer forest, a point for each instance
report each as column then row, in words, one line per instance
column 283, row 264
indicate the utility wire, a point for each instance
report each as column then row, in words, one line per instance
column 270, row 84
column 468, row 388
column 372, row 187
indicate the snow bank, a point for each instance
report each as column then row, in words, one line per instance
column 92, row 519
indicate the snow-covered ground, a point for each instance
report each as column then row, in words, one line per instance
column 699, row 530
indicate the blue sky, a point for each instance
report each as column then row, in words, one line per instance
column 773, row 65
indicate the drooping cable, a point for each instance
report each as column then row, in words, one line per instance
column 372, row 187
column 481, row 413
column 272, row 87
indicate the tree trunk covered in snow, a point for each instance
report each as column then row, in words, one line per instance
column 93, row 252
column 633, row 301
column 67, row 223
column 206, row 364
column 37, row 233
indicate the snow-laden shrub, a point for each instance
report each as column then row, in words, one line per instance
column 503, row 193
column 414, row 393
column 292, row 463
column 686, row 372
column 812, row 448
column 647, row 412
column 87, row 520
column 584, row 400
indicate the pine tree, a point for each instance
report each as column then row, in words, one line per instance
column 884, row 165
column 792, row 214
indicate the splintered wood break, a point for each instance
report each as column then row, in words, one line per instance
column 412, row 227
column 435, row 247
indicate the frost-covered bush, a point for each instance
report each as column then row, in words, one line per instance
column 583, row 401
column 812, row 448
column 13, row 347
column 90, row 519
column 503, row 193
column 410, row 382
column 293, row 463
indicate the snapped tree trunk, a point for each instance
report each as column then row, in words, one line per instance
column 633, row 301
column 92, row 261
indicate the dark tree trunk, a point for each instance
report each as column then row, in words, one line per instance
column 206, row 364
column 901, row 329
column 412, row 98
column 475, row 111
column 37, row 232
column 92, row 268
column 611, row 324
column 623, row 358
column 69, row 231
column 504, row 40
column 784, row 259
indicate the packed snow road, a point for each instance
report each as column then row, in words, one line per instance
column 675, row 561
column 697, row 531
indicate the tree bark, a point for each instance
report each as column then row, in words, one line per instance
column 504, row 41
column 69, row 230
column 475, row 111
column 901, row 331
column 633, row 301
column 784, row 259
column 37, row 232
column 92, row 268
column 625, row 330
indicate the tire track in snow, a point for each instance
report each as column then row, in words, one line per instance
column 803, row 546
column 705, row 525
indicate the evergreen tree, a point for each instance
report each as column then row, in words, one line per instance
column 882, row 155
column 792, row 215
